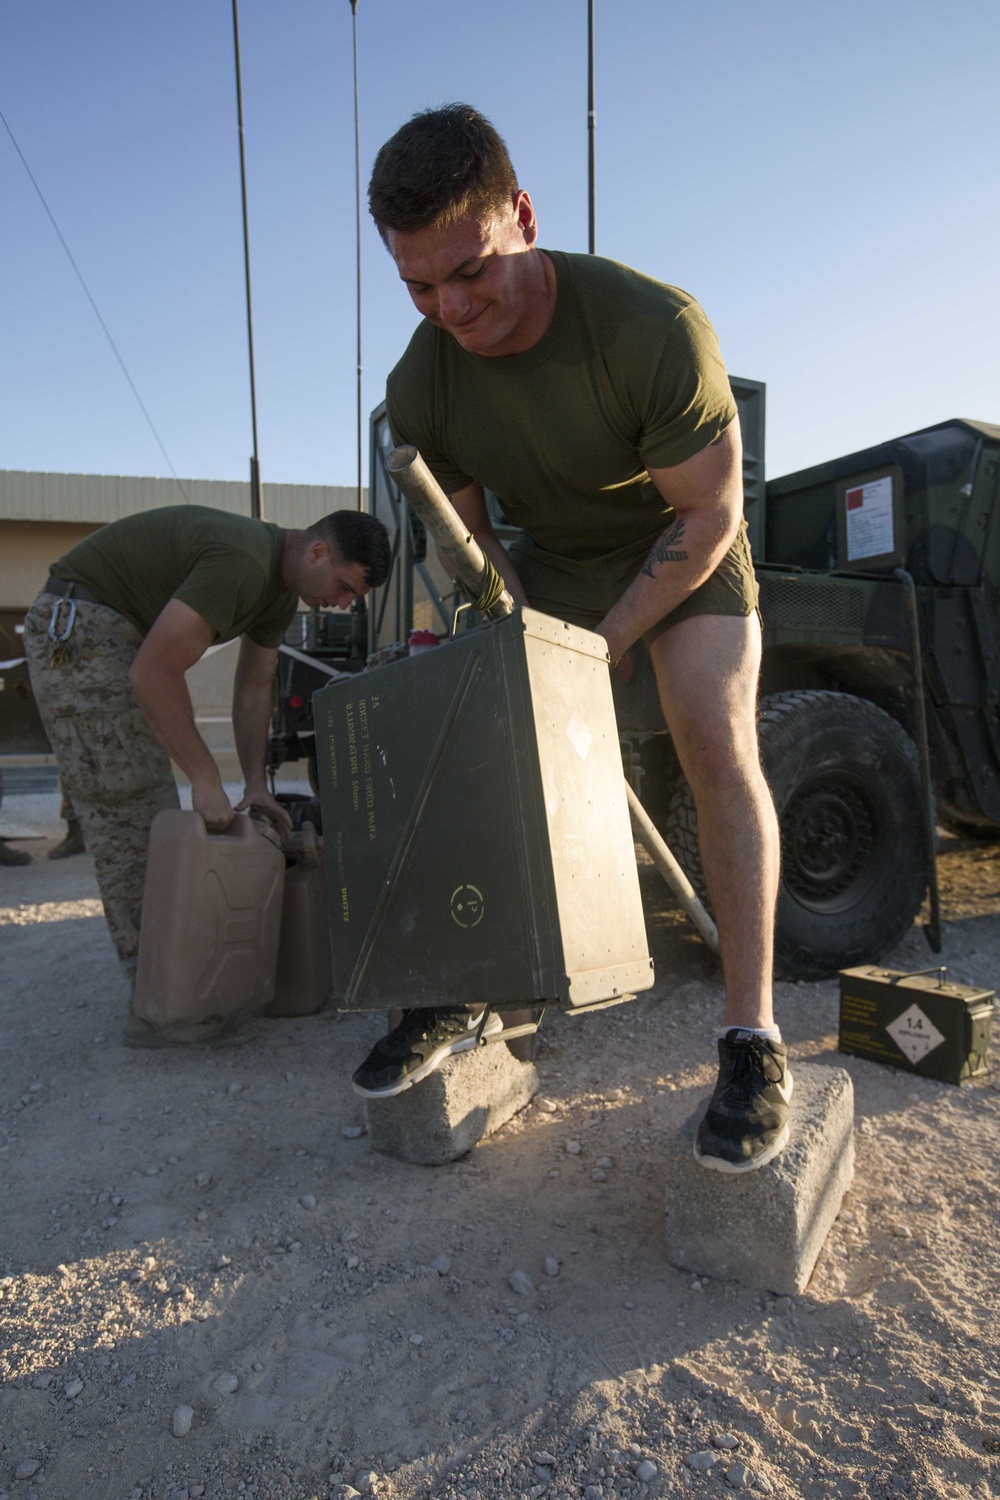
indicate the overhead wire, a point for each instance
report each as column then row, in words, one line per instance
column 96, row 310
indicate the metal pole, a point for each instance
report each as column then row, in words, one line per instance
column 659, row 852
column 357, row 219
column 256, row 505
column 591, row 127
column 442, row 520
column 932, row 929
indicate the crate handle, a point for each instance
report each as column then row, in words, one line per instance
column 940, row 970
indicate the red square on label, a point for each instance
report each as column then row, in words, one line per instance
column 855, row 499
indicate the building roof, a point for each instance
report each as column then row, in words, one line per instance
column 27, row 495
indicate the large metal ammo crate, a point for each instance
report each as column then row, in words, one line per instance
column 476, row 828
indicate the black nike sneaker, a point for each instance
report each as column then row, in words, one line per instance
column 746, row 1123
column 418, row 1045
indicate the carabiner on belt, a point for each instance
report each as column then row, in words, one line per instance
column 61, row 631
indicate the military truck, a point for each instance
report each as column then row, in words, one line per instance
column 880, row 691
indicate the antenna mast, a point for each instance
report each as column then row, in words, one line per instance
column 256, row 506
column 357, row 222
column 591, row 127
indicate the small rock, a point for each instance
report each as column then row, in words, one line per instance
column 27, row 1468
column 739, row 1477
column 223, row 1261
column 762, row 1483
column 346, row 1492
column 41, row 1382
column 573, row 1148
column 551, row 1265
column 73, row 1387
column 352, row 1132
column 180, row 1422
column 366, row 1481
column 416, row 1339
column 307, row 1201
column 549, row 1105
column 441, row 1264
column 226, row 1383
column 234, row 1088
column 203, row 1179
column 903, row 1232
column 726, row 1440
column 598, row 1175
column 646, row 1471
column 353, row 1262
column 702, row 1461
column 544, row 1459
column 520, row 1283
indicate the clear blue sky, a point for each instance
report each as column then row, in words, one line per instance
column 822, row 177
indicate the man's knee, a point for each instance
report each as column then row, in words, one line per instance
column 722, row 770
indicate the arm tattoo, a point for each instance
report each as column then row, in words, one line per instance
column 665, row 549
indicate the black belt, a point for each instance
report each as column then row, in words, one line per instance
column 61, row 587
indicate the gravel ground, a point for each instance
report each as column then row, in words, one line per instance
column 211, row 1286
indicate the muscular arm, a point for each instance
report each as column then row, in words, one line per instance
column 471, row 506
column 253, row 690
column 706, row 493
column 178, row 638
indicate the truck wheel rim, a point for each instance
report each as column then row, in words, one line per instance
column 829, row 837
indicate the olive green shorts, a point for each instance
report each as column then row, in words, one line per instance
column 582, row 592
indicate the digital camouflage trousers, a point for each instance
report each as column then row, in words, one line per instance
column 114, row 771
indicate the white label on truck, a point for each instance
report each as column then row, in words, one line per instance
column 869, row 519
column 915, row 1034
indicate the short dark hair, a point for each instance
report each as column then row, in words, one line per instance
column 442, row 164
column 358, row 538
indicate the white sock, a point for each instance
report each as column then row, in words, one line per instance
column 769, row 1033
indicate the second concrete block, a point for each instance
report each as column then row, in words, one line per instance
column 766, row 1228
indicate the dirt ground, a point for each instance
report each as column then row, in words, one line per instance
column 210, row 1231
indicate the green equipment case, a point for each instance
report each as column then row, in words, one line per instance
column 477, row 833
column 919, row 1022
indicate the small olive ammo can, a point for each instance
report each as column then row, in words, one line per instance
column 477, row 834
column 919, row 1022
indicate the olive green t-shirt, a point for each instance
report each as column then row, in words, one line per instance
column 627, row 376
column 227, row 568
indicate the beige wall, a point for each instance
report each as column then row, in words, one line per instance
column 27, row 549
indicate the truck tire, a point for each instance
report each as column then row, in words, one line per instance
column 846, row 784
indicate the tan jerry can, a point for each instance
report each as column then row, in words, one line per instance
column 305, row 965
column 211, row 918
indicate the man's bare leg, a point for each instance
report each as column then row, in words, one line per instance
column 706, row 671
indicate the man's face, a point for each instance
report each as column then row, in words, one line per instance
column 473, row 279
column 325, row 581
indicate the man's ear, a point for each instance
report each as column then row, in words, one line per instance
column 319, row 552
column 524, row 213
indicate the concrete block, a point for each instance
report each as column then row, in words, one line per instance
column 766, row 1228
column 439, row 1119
